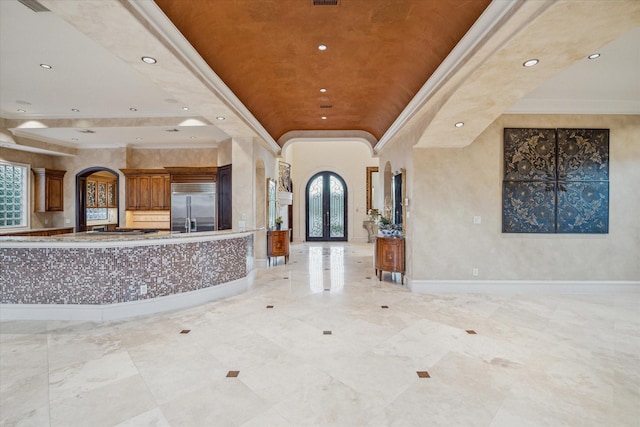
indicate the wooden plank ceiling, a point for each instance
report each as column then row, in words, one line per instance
column 379, row 54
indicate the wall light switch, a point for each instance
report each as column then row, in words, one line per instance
column 475, row 272
column 46, row 221
column 477, row 219
column 67, row 221
column 143, row 289
column 242, row 224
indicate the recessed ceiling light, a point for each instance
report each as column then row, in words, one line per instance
column 322, row 47
column 220, row 118
column 323, row 90
column 594, row 56
column 46, row 66
column 133, row 109
column 138, row 139
column 185, row 108
column 459, row 124
column 192, row 137
column 324, row 117
column 75, row 110
column 530, row 63
column 148, row 60
column 20, row 110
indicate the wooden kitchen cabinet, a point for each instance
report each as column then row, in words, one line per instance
column 49, row 190
column 278, row 244
column 101, row 193
column 147, row 189
column 160, row 192
column 389, row 256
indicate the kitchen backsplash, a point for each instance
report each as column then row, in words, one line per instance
column 148, row 219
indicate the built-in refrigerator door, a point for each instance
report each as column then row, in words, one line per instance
column 178, row 212
column 203, row 211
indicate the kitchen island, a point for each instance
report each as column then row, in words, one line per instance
column 94, row 276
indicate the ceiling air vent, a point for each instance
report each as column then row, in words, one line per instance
column 87, row 131
column 172, row 130
column 326, row 105
column 325, row 2
column 34, row 5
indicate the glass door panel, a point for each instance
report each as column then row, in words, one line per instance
column 336, row 207
column 326, row 202
column 315, row 215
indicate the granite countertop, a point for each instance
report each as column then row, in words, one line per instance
column 87, row 239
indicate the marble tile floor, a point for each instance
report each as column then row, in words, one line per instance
column 534, row 360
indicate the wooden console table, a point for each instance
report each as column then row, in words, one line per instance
column 278, row 245
column 389, row 256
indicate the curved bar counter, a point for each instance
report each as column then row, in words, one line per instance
column 89, row 276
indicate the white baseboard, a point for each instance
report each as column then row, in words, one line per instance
column 99, row 313
column 523, row 287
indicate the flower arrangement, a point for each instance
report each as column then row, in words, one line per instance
column 278, row 223
column 373, row 214
column 387, row 228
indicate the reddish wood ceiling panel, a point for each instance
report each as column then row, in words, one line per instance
column 380, row 53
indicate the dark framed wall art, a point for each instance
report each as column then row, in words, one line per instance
column 556, row 181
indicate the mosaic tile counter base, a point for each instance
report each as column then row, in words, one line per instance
column 115, row 274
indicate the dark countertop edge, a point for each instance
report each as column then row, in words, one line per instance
column 33, row 230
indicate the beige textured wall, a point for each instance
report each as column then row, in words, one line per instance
column 347, row 159
column 153, row 158
column 399, row 154
column 224, row 153
column 456, row 184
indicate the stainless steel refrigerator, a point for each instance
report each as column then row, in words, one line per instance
column 193, row 207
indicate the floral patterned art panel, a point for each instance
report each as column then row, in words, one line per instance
column 529, row 206
column 556, row 181
column 583, row 207
column 583, row 154
column 529, row 154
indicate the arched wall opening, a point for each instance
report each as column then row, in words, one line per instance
column 91, row 202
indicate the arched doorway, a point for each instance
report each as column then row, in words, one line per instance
column 110, row 195
column 326, row 208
